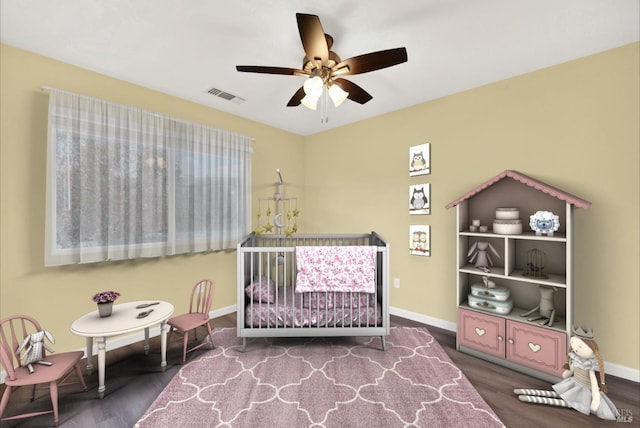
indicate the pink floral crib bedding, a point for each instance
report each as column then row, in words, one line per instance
column 336, row 268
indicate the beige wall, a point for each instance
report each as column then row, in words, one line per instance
column 574, row 126
column 59, row 295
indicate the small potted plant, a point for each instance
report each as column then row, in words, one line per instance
column 105, row 301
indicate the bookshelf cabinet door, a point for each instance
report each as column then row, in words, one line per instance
column 482, row 332
column 536, row 347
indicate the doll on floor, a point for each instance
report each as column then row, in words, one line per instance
column 579, row 389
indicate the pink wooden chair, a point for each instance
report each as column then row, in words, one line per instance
column 199, row 307
column 13, row 330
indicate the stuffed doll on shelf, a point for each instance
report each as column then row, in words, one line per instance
column 479, row 255
column 579, row 388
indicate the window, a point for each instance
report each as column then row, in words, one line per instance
column 124, row 183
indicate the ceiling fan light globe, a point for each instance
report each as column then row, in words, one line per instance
column 309, row 102
column 337, row 94
column 313, row 87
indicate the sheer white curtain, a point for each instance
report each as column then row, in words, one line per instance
column 124, row 183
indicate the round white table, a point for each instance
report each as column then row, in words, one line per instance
column 124, row 319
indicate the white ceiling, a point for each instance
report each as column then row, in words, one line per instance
column 186, row 47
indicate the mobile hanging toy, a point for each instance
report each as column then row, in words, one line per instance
column 284, row 209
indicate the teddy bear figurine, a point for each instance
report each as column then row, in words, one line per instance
column 579, row 388
column 33, row 353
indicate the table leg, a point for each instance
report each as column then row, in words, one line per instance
column 163, row 344
column 102, row 354
column 146, row 341
column 89, row 343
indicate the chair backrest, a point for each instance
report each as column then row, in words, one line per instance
column 201, row 297
column 13, row 330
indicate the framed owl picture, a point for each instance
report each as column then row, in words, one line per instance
column 420, row 160
column 420, row 240
column 420, row 199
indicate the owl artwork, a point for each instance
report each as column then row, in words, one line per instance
column 420, row 159
column 418, row 163
column 419, row 240
column 419, row 198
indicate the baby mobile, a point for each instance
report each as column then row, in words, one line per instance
column 284, row 210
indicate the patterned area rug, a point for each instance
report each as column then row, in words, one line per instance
column 321, row 382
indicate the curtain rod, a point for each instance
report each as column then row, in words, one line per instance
column 49, row 89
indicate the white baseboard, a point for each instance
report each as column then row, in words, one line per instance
column 621, row 371
column 424, row 319
column 223, row 311
column 118, row 342
column 609, row 368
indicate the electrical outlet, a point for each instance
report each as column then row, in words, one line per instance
column 396, row 282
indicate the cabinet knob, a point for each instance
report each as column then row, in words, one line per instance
column 511, row 341
column 500, row 338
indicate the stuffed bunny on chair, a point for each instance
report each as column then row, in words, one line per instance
column 33, row 346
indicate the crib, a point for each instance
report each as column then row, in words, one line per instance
column 271, row 303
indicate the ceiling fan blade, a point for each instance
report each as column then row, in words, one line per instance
column 296, row 98
column 356, row 93
column 271, row 70
column 372, row 61
column 312, row 37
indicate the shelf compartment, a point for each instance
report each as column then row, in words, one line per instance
column 498, row 244
column 555, row 261
column 554, row 280
column 557, row 237
column 495, row 271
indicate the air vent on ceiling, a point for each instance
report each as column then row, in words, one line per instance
column 225, row 95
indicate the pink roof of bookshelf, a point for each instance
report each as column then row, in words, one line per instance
column 531, row 182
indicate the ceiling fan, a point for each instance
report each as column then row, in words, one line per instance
column 322, row 67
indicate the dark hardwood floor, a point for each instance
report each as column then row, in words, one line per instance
column 134, row 380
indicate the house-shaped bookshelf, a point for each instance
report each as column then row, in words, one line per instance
column 534, row 346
